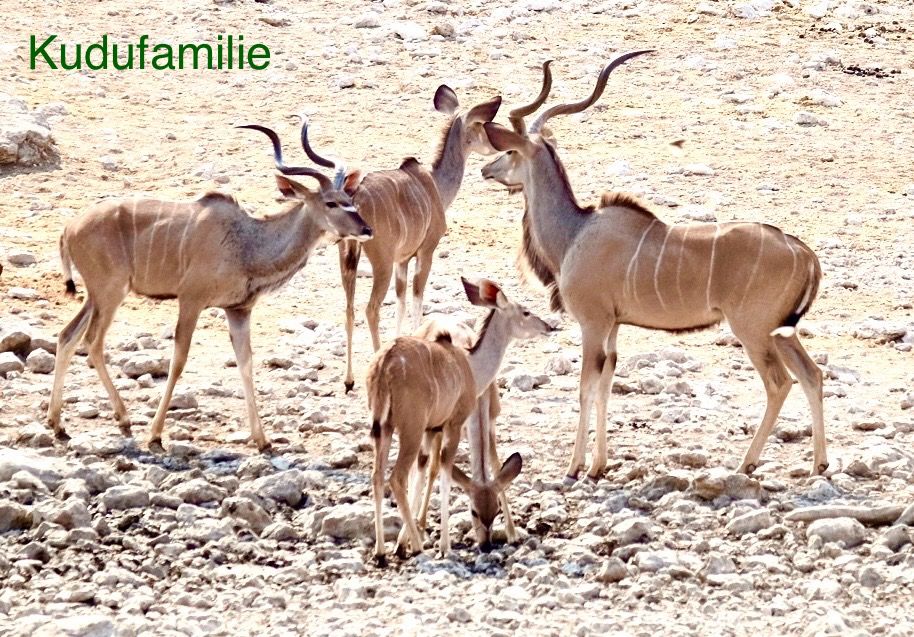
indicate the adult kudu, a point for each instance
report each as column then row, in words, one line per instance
column 618, row 264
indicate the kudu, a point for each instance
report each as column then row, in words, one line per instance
column 406, row 207
column 424, row 390
column 617, row 263
column 204, row 253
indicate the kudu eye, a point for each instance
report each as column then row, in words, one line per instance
column 332, row 204
column 526, row 312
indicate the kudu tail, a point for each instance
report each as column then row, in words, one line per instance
column 66, row 265
column 378, row 401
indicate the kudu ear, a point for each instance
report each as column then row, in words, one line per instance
column 509, row 470
column 446, row 100
column 503, row 139
column 461, row 479
column 352, row 182
column 484, row 112
column 483, row 292
column 291, row 189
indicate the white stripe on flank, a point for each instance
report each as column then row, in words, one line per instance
column 793, row 253
column 133, row 247
column 657, row 267
column 711, row 265
column 151, row 240
column 806, row 297
column 628, row 272
column 187, row 227
column 679, row 265
column 758, row 259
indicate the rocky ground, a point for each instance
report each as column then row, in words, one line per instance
column 793, row 112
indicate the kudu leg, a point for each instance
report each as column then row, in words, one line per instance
column 593, row 341
column 448, row 454
column 380, row 281
column 420, row 278
column 101, row 321
column 434, row 455
column 768, row 363
column 381, row 441
column 598, row 462
column 187, row 321
column 239, row 322
column 350, row 251
column 417, row 489
column 810, row 377
column 400, row 285
column 406, row 457
column 67, row 342
column 510, row 531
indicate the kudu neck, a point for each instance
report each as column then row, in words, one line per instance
column 282, row 242
column 556, row 218
column 489, row 352
column 449, row 165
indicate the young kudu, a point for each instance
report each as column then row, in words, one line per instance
column 424, row 390
column 618, row 264
column 204, row 253
column 405, row 207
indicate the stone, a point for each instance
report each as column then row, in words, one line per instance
column 369, row 20
column 283, row 486
column 14, row 516
column 846, row 530
column 96, row 625
column 633, row 531
column 183, row 399
column 25, row 137
column 9, row 362
column 613, row 570
column 718, row 482
column 126, row 496
column 754, row 9
column 21, row 259
column 281, row 532
column 142, row 364
column 409, row 31
column 49, row 470
column 15, row 334
column 245, row 508
column 559, row 365
column 40, row 362
column 751, row 522
column 355, row 521
column 805, row 118
column 199, row 491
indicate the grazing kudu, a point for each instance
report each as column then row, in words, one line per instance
column 204, row 253
column 406, row 207
column 617, row 263
column 424, row 390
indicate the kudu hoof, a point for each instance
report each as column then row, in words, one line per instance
column 380, row 560
column 349, row 384
column 569, row 480
column 61, row 435
column 748, row 469
column 155, row 446
column 125, row 429
column 820, row 469
column 265, row 448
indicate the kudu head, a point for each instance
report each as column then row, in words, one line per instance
column 521, row 322
column 470, row 123
column 484, row 506
column 331, row 204
column 520, row 146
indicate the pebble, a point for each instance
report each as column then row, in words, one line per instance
column 751, row 522
column 40, row 361
column 21, row 258
column 125, row 497
column 9, row 362
column 846, row 530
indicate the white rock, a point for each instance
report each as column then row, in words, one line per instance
column 183, row 399
column 125, row 496
column 24, row 137
column 355, row 521
column 754, row 9
column 846, row 530
column 143, row 364
column 559, row 365
column 751, row 522
column 368, row 20
column 22, row 259
column 15, row 334
column 409, row 31
column 9, row 362
column 805, row 118
column 633, row 530
column 96, row 625
column 40, row 362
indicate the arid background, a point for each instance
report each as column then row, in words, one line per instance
column 797, row 113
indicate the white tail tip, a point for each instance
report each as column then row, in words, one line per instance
column 784, row 332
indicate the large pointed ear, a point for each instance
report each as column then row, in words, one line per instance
column 483, row 292
column 446, row 100
column 503, row 139
column 461, row 479
column 352, row 182
column 291, row 189
column 484, row 112
column 509, row 470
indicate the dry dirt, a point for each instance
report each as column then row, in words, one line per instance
column 731, row 87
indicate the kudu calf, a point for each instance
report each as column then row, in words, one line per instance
column 204, row 253
column 424, row 390
column 617, row 263
column 405, row 207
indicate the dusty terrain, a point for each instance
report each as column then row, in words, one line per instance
column 101, row 537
